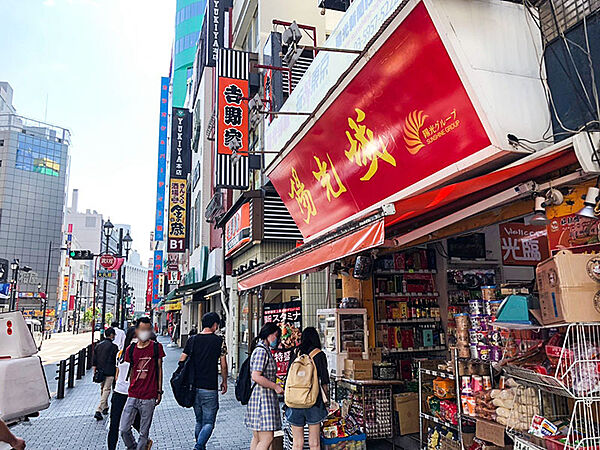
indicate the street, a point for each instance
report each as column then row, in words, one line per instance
column 69, row 422
column 61, row 345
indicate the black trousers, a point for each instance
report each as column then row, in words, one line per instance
column 117, row 403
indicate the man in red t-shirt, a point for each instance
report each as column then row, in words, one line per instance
column 145, row 384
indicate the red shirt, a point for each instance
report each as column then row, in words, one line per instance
column 144, row 379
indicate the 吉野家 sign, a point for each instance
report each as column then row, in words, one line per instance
column 233, row 116
column 372, row 143
column 237, row 230
column 523, row 245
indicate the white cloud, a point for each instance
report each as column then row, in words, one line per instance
column 49, row 3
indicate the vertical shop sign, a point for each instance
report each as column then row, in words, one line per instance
column 162, row 159
column 289, row 318
column 238, row 231
column 65, row 293
column 149, row 290
column 523, row 245
column 232, row 119
column 215, row 35
column 181, row 157
column 157, row 267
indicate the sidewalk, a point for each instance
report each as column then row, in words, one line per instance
column 69, row 423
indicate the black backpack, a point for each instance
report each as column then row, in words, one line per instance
column 182, row 382
column 244, row 385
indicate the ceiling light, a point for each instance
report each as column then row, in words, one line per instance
column 539, row 218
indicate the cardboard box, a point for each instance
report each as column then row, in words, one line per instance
column 490, row 432
column 407, row 406
column 566, row 290
column 354, row 352
column 358, row 369
column 375, row 354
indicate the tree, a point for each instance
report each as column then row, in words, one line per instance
column 87, row 315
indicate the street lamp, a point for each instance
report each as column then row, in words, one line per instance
column 126, row 244
column 16, row 267
column 107, row 228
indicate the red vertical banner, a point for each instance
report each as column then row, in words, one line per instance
column 149, row 283
column 233, row 116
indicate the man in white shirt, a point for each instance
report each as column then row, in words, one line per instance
column 119, row 339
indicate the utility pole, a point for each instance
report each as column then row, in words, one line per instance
column 46, row 292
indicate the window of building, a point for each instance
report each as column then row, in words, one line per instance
column 37, row 155
column 1, row 142
column 90, row 222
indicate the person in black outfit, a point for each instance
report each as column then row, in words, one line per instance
column 206, row 349
column 104, row 363
column 313, row 416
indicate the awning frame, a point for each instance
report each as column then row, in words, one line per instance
column 344, row 230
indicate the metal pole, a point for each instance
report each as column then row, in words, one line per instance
column 46, row 291
column 119, row 302
column 124, row 305
column 13, row 290
column 104, row 295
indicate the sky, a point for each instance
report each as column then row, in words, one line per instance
column 94, row 67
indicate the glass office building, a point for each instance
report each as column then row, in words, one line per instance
column 188, row 23
column 34, row 169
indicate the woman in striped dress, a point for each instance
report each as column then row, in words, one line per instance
column 263, row 416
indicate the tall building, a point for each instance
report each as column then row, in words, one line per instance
column 188, row 22
column 33, row 180
column 136, row 276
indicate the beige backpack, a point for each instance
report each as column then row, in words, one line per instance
column 302, row 383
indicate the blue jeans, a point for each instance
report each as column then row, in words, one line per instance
column 205, row 408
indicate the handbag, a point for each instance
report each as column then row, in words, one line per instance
column 99, row 376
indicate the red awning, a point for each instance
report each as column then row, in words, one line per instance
column 460, row 195
column 421, row 207
column 305, row 258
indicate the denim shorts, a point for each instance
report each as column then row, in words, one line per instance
column 306, row 416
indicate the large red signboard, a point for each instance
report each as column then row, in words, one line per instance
column 405, row 116
column 523, row 245
column 233, row 116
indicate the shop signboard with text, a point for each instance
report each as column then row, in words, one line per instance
column 149, row 290
column 161, row 176
column 289, row 317
column 572, row 231
column 157, row 268
column 238, row 231
column 180, row 168
column 405, row 116
column 523, row 245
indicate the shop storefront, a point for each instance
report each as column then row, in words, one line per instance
column 420, row 299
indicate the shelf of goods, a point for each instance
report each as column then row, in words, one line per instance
column 563, row 361
column 447, row 410
column 369, row 405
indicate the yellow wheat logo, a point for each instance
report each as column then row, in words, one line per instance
column 412, row 125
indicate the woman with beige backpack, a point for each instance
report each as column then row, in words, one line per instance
column 306, row 390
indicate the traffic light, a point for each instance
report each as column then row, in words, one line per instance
column 81, row 254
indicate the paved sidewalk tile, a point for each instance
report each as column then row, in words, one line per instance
column 69, row 422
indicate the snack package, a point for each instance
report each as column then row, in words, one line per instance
column 443, row 388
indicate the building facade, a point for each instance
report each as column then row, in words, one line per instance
column 136, row 277
column 33, row 181
column 188, row 22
